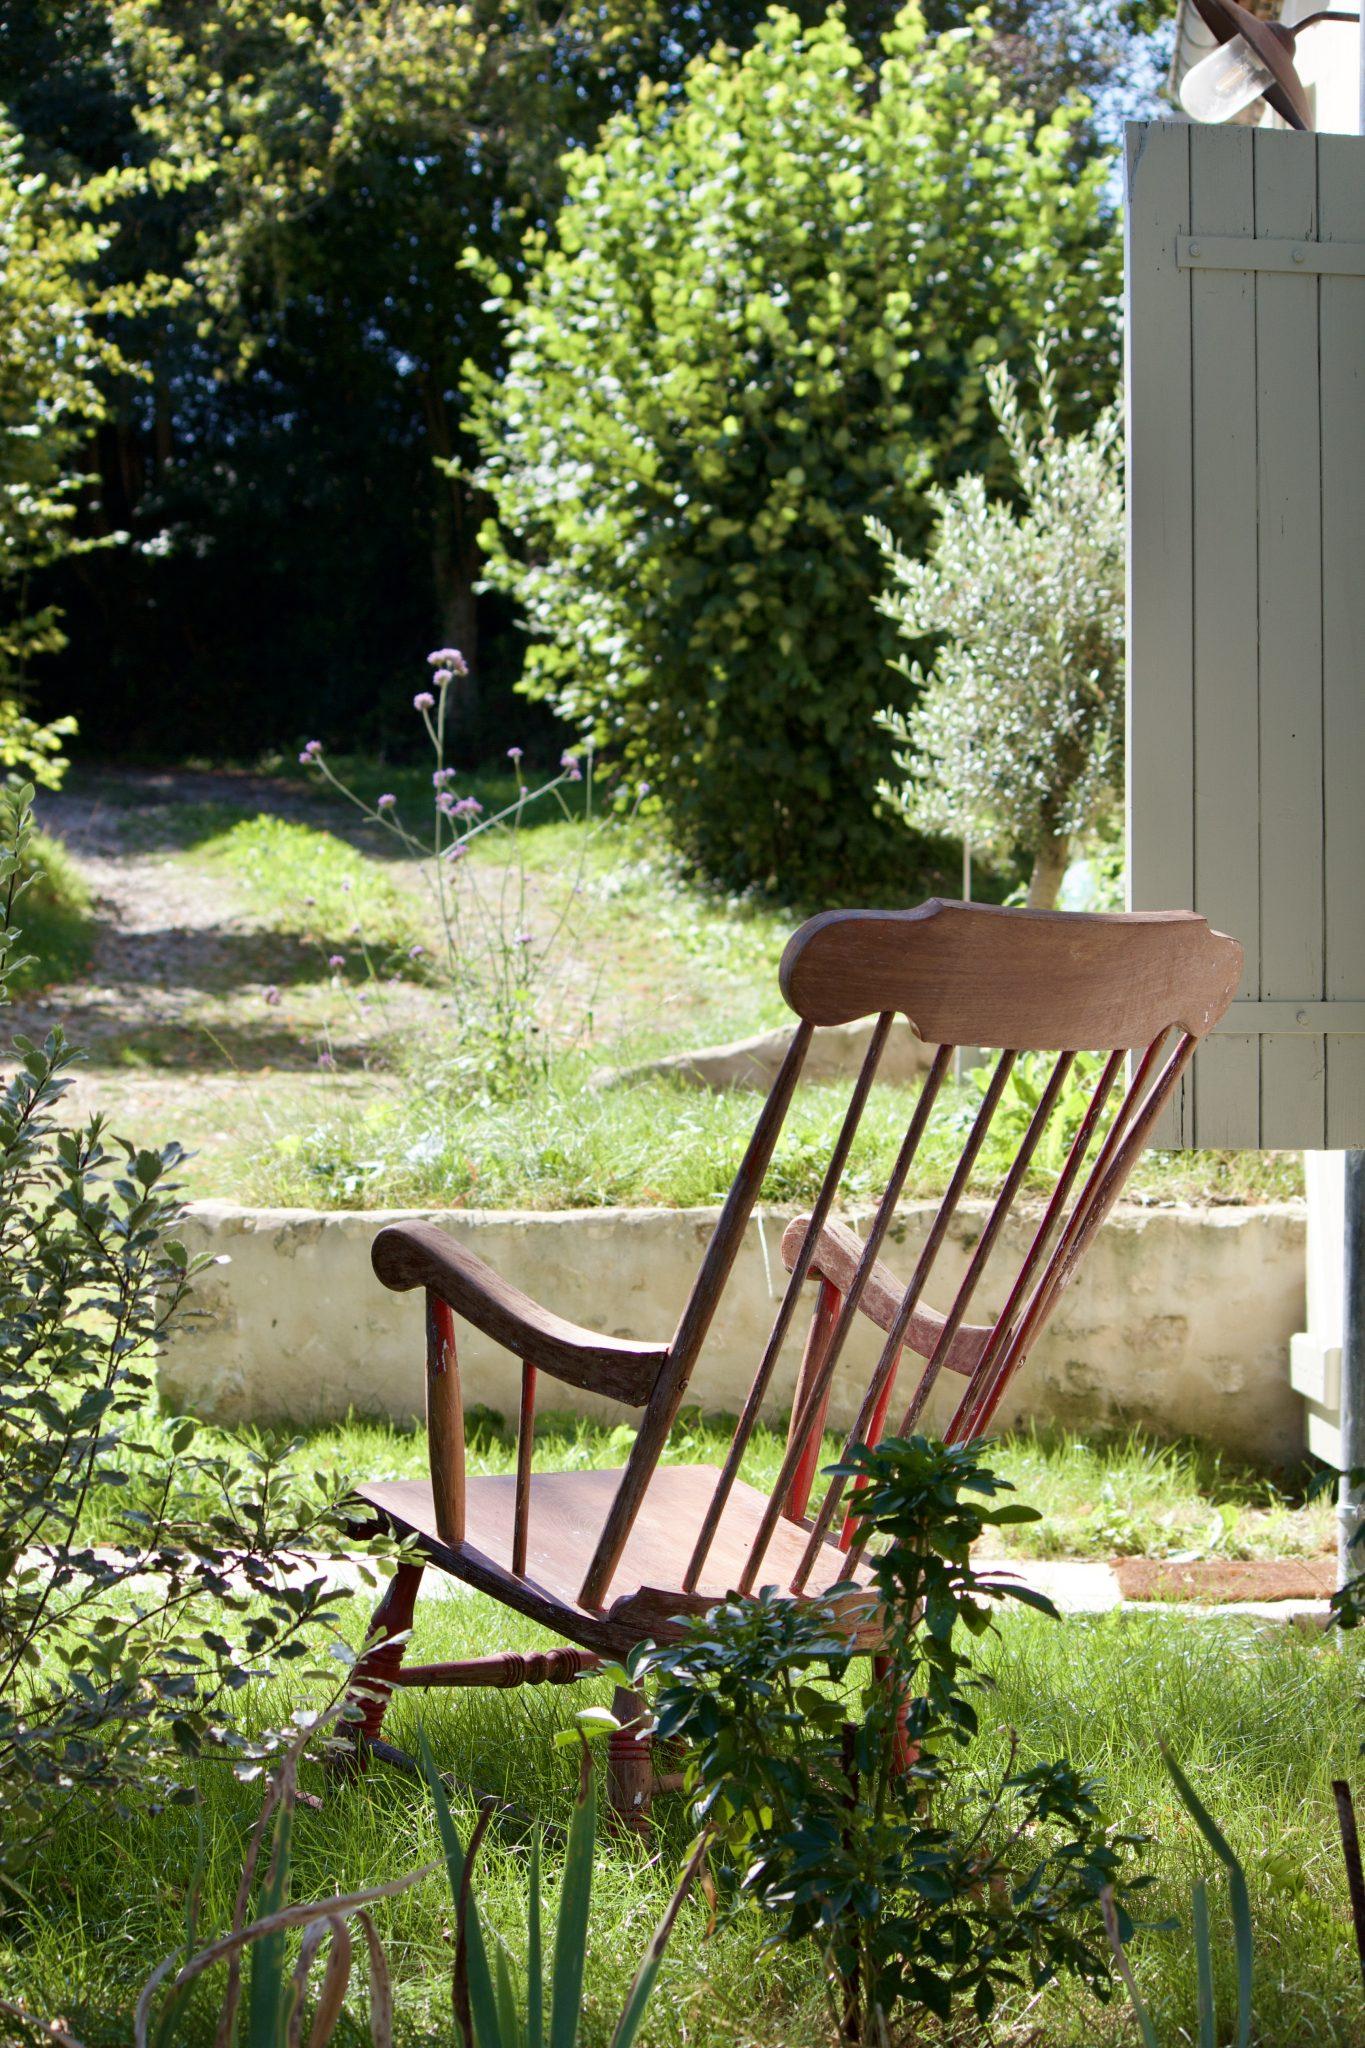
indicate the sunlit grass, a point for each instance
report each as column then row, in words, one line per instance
column 1261, row 1721
column 563, row 1141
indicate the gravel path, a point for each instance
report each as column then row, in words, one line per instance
column 177, row 1012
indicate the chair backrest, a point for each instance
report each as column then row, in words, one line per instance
column 965, row 975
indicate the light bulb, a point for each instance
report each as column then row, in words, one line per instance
column 1221, row 84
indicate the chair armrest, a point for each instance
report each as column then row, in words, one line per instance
column 406, row 1255
column 835, row 1258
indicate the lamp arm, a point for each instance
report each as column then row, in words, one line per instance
column 1326, row 14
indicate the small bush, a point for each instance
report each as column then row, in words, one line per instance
column 118, row 1661
column 764, row 317
column 58, row 918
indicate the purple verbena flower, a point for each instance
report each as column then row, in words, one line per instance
column 272, row 995
column 385, row 802
column 424, row 701
column 443, row 678
column 442, row 777
column 569, row 763
column 311, row 754
column 514, row 754
column 521, row 938
column 336, row 960
column 445, row 804
column 456, row 852
column 327, row 1060
column 468, row 807
column 416, row 952
column 451, row 658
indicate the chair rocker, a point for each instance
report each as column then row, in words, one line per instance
column 606, row 1559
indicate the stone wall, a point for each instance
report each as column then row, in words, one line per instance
column 1180, row 1319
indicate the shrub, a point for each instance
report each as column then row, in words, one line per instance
column 1013, row 741
column 762, row 319
column 925, row 1884
column 117, row 1659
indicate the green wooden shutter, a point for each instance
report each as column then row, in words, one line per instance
column 1246, row 618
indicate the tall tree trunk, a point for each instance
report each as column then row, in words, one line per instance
column 1050, row 863
column 455, row 555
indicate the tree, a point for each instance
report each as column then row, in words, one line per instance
column 52, row 349
column 1013, row 740
column 764, row 317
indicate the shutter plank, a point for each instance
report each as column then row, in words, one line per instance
column 1160, row 745
column 1293, row 1095
column 1223, row 377
column 1341, row 214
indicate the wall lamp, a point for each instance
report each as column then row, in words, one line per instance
column 1254, row 60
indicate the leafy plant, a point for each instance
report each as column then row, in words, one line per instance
column 1240, row 1909
column 490, row 2011
column 1019, row 1099
column 490, row 958
column 763, row 317
column 118, row 1659
column 1013, row 738
column 849, row 1811
column 273, row 1993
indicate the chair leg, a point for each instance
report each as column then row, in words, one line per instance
column 903, row 1751
column 630, row 1768
column 376, row 1672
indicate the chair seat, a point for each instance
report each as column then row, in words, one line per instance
column 567, row 1510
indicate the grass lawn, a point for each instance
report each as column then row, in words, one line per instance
column 302, row 1043
column 1262, row 1717
column 1261, row 1720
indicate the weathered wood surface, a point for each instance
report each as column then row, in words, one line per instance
column 1246, row 729
column 419, row 1255
column 1042, row 980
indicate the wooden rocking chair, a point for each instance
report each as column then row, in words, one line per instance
column 608, row 1558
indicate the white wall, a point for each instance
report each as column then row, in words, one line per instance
column 1180, row 1318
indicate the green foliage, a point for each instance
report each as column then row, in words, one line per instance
column 926, row 1884
column 117, row 1661
column 490, row 2010
column 52, row 352
column 1013, row 740
column 1239, row 1902
column 297, row 878
column 58, row 918
column 763, row 318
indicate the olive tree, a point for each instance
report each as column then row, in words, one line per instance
column 1012, row 739
column 763, row 316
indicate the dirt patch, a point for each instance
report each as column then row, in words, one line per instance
column 1214, row 1580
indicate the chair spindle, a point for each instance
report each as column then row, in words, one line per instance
column 1093, row 1205
column 829, row 1188
column 813, row 1406
column 827, row 1306
column 526, row 1430
column 886, row 1366
column 961, row 1427
column 445, row 1422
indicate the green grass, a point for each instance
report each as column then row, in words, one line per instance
column 1261, row 1718
column 1261, row 1723
column 56, row 918
column 1119, row 1493
column 564, row 1142
column 298, row 879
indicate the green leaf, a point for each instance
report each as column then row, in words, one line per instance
column 1237, row 1891
column 1203, row 1959
column 482, row 2004
column 535, row 1954
column 575, row 1903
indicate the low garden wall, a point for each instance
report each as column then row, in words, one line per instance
column 1180, row 1319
